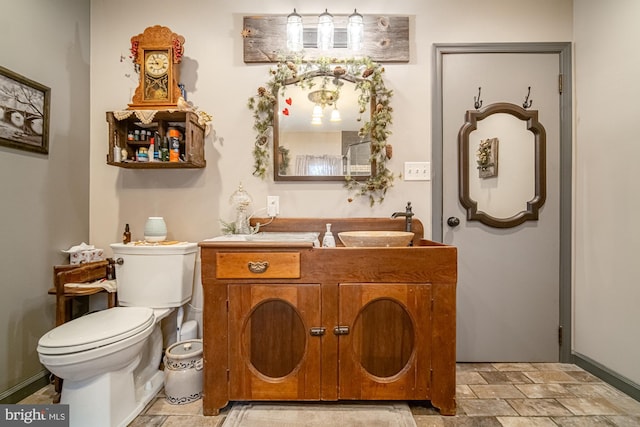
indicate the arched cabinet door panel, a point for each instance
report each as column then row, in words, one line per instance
column 272, row 354
column 384, row 348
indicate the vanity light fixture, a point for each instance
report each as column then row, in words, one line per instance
column 321, row 98
column 316, row 115
column 325, row 31
column 355, row 31
column 325, row 36
column 317, row 111
column 381, row 38
column 294, row 32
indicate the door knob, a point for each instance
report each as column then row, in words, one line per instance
column 452, row 221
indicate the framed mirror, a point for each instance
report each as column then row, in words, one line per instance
column 317, row 130
column 352, row 149
column 506, row 186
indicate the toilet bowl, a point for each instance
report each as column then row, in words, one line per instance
column 109, row 360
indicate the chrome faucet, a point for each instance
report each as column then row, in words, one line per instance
column 407, row 214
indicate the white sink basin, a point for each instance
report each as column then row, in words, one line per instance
column 265, row 236
column 375, row 239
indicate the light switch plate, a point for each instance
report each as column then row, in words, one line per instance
column 417, row 171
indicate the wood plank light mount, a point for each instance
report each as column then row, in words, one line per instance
column 386, row 38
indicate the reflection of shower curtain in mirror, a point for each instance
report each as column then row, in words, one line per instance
column 318, row 165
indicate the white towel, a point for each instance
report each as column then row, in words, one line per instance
column 107, row 285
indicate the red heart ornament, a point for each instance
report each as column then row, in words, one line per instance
column 285, row 111
column 288, row 101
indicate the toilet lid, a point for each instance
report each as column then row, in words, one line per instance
column 96, row 330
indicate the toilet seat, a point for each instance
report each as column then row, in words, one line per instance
column 96, row 330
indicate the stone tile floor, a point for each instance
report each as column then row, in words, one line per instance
column 488, row 395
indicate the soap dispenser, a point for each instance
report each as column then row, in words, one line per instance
column 328, row 241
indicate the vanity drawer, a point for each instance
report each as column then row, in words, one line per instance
column 259, row 265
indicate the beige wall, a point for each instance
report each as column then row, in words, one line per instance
column 607, row 149
column 44, row 203
column 45, row 199
column 219, row 82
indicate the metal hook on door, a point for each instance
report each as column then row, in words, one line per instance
column 477, row 102
column 527, row 102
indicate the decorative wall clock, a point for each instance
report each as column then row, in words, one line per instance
column 158, row 52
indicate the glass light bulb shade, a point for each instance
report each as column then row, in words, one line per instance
column 316, row 121
column 240, row 198
column 317, row 111
column 335, row 115
column 355, row 31
column 294, row 32
column 325, row 31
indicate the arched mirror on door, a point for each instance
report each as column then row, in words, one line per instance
column 502, row 165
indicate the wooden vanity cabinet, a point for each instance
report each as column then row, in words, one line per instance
column 286, row 321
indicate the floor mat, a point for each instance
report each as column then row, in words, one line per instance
column 394, row 414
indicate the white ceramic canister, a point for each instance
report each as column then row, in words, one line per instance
column 155, row 229
column 183, row 372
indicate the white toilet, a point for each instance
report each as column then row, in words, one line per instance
column 109, row 360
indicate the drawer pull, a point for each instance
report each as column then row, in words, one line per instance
column 258, row 266
column 317, row 331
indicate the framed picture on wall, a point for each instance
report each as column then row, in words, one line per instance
column 24, row 113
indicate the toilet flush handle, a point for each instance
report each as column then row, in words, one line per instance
column 119, row 261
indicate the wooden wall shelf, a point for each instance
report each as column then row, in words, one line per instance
column 191, row 145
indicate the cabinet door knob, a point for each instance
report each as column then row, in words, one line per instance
column 317, row 331
column 258, row 266
column 341, row 330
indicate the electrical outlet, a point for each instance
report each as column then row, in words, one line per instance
column 417, row 171
column 273, row 206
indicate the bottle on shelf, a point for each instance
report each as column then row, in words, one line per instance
column 174, row 154
column 164, row 154
column 157, row 146
column 126, row 236
column 117, row 154
column 152, row 150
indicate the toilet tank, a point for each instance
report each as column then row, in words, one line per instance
column 155, row 276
